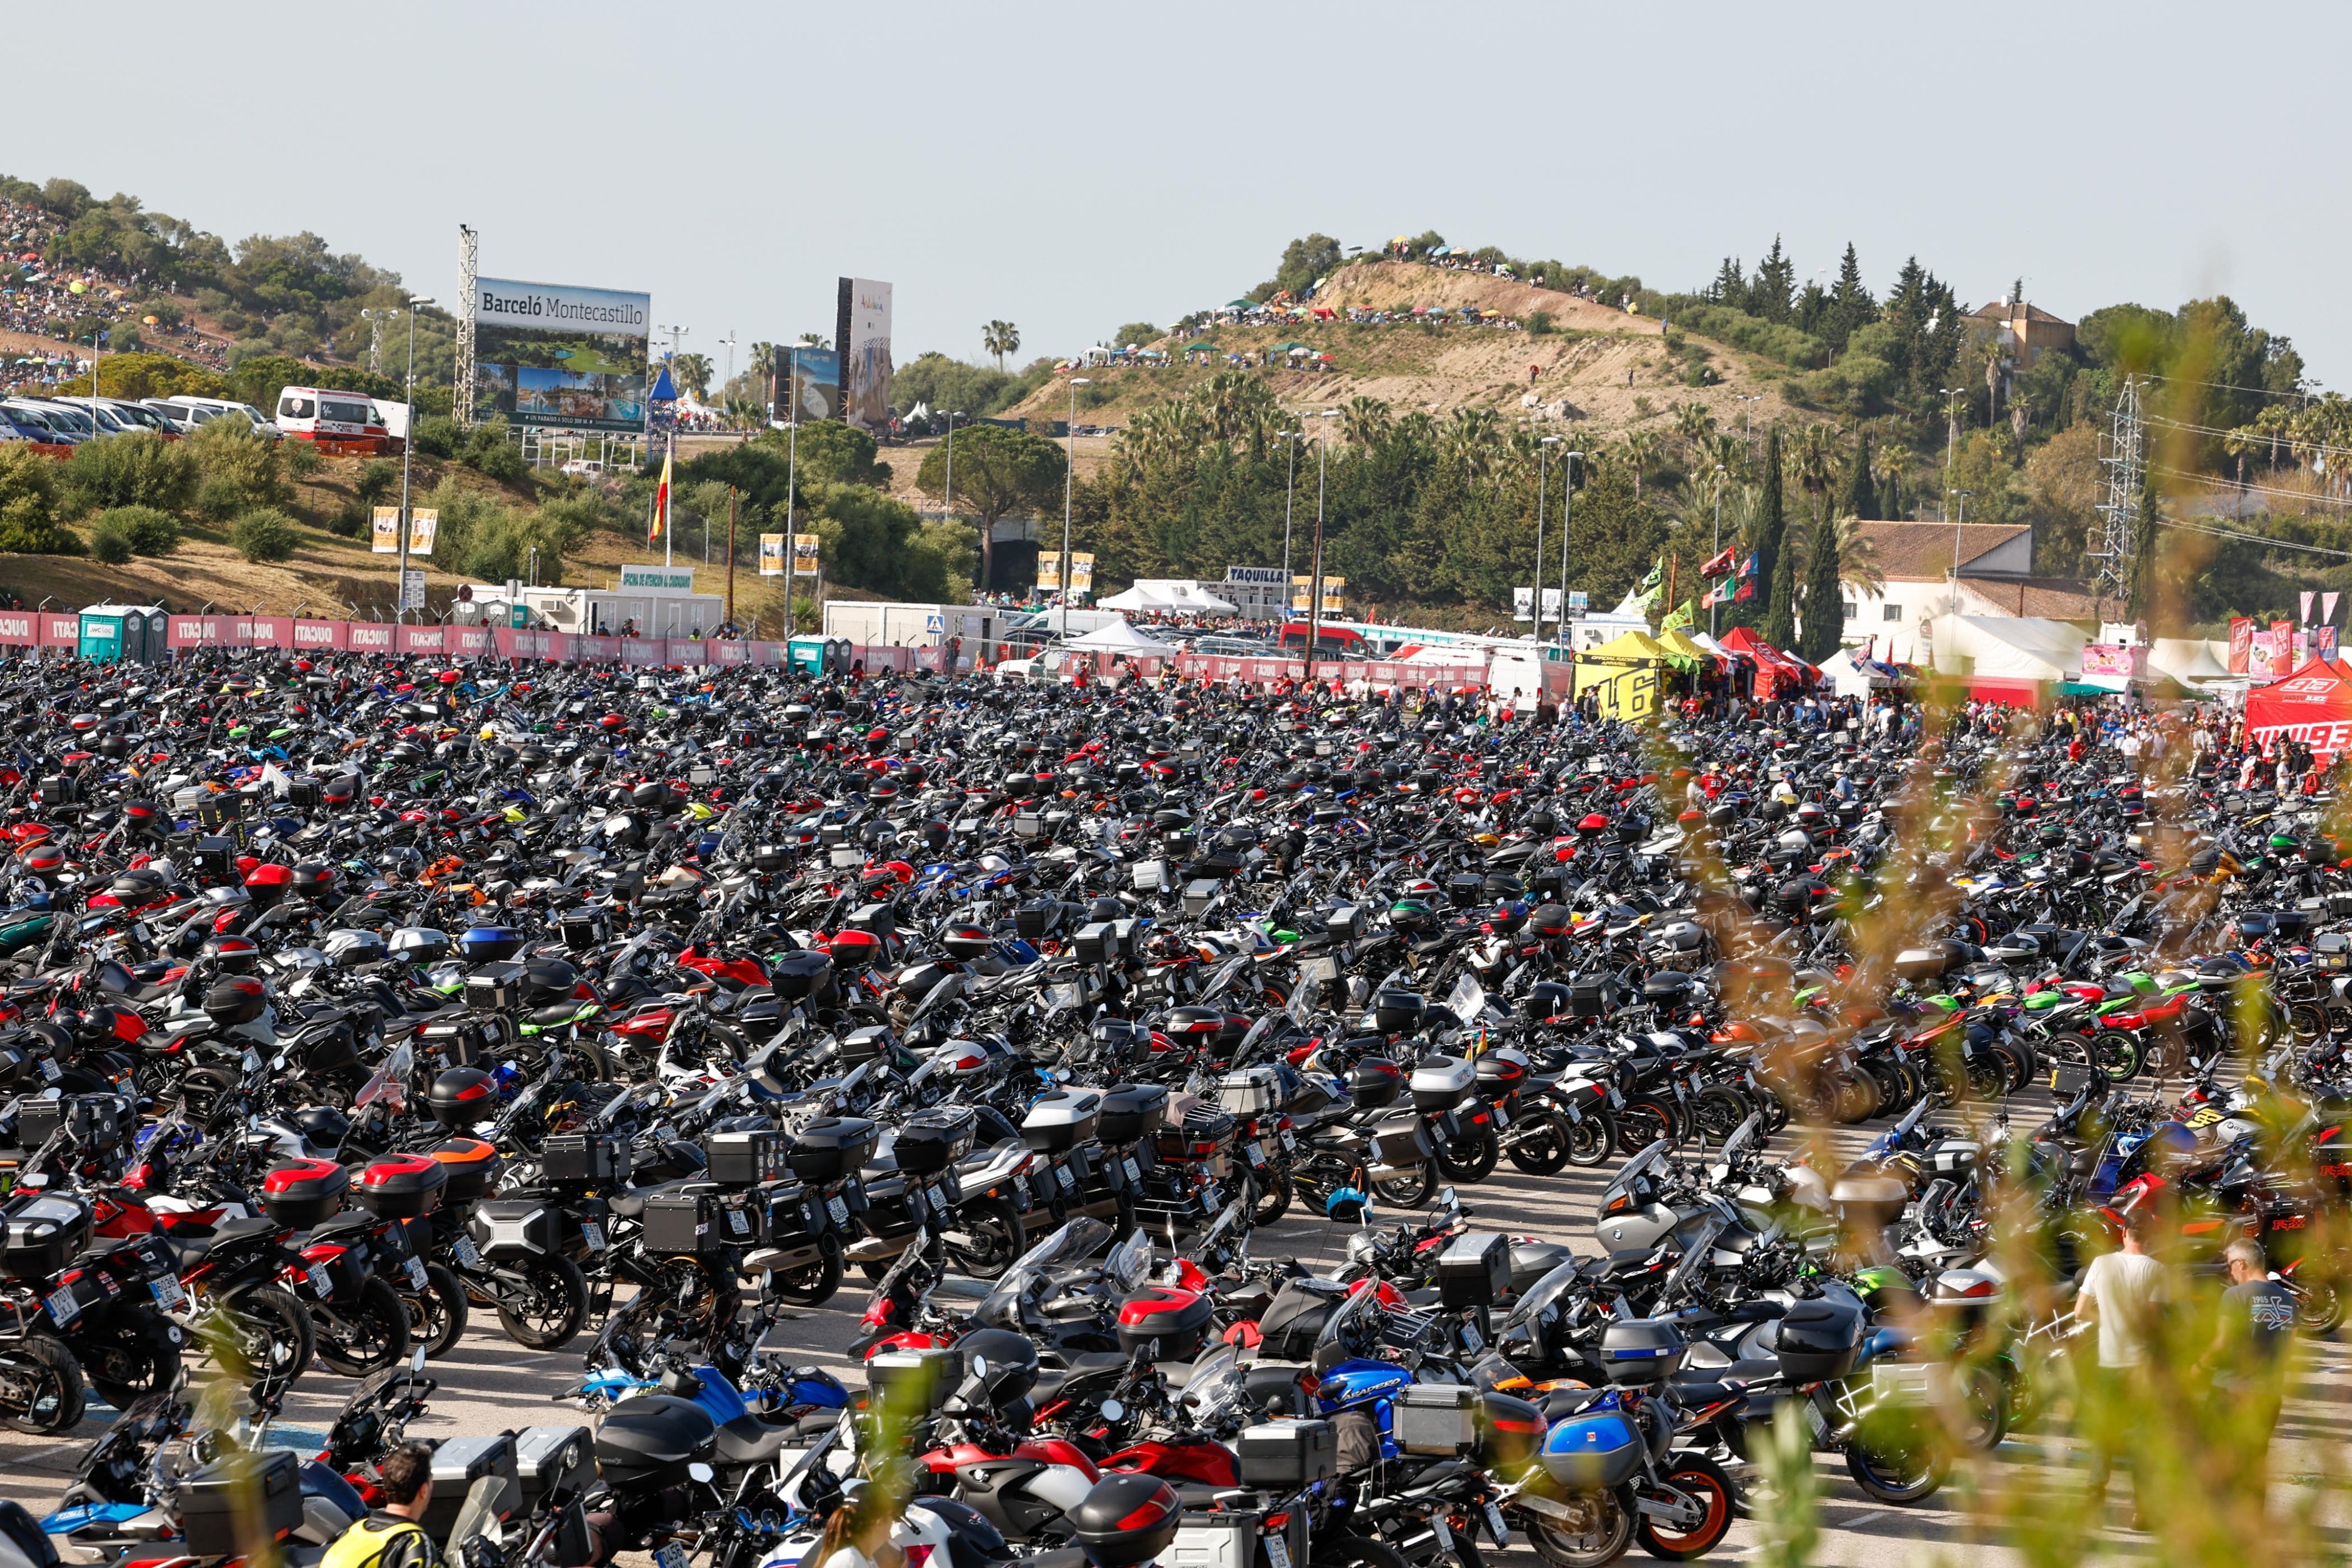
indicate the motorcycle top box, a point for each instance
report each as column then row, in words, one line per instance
column 1287, row 1454
column 401, row 1186
column 1819, row 1340
column 929, row 1142
column 744, row 1159
column 648, row 1441
column 912, row 1383
column 301, row 1193
column 586, row 1158
column 1475, row 1270
column 1641, row 1349
column 472, row 1167
column 1132, row 1113
column 831, row 1147
column 1061, row 1119
column 1127, row 1520
column 43, row 1230
column 1436, row 1418
column 1177, row 1319
column 1442, row 1082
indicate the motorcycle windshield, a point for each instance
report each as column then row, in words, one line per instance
column 1078, row 1239
column 389, row 1083
column 1640, row 1165
column 1544, row 1294
column 1130, row 1262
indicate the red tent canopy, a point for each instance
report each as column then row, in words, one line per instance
column 1776, row 673
column 2312, row 705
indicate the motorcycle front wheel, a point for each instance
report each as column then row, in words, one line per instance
column 1702, row 1481
column 1410, row 1190
column 1598, row 1534
column 439, row 1314
column 1471, row 1157
column 543, row 1300
column 371, row 1333
column 41, row 1386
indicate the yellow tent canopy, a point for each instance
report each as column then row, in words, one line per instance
column 1623, row 672
column 1686, row 653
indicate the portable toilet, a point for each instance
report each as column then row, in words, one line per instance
column 122, row 633
column 820, row 656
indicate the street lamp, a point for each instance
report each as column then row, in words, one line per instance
column 1070, row 484
column 948, row 506
column 1952, row 435
column 1315, row 572
column 1720, row 479
column 1543, row 488
column 1290, row 439
column 407, row 448
column 1567, row 512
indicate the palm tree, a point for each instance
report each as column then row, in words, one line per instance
column 692, row 374
column 1693, row 422
column 1857, row 555
column 1730, row 451
column 1469, row 440
column 1001, row 338
column 1814, row 461
column 1366, row 421
column 1641, row 451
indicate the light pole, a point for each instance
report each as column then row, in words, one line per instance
column 1748, row 421
column 1543, row 488
column 948, row 506
column 407, row 448
column 728, row 343
column 1070, row 488
column 1951, row 436
column 1315, row 571
column 1567, row 512
column 1721, row 478
column 1290, row 439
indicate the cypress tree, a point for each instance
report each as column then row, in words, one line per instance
column 1824, row 596
column 1780, row 627
column 2143, row 571
column 1859, row 501
column 1771, row 524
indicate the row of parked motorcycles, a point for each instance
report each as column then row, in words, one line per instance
column 346, row 1003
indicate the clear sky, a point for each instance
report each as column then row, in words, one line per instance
column 1072, row 167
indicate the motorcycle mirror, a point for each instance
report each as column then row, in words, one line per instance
column 1112, row 1410
column 701, row 1472
column 416, row 1363
column 980, row 1366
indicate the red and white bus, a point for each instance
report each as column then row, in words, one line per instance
column 1329, row 639
column 315, row 413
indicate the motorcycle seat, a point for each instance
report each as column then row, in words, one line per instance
column 747, row 1440
column 1696, row 1395
column 811, row 1427
column 629, row 1205
column 1424, row 1298
column 352, row 1222
column 556, row 1013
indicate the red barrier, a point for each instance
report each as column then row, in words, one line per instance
column 59, row 631
column 16, row 630
column 323, row 635
column 369, row 637
column 419, row 639
column 472, row 641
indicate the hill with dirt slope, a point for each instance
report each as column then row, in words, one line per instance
column 1571, row 358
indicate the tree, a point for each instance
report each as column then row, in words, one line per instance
column 1139, row 333
column 2143, row 563
column 1765, row 543
column 1860, row 499
column 1824, row 594
column 692, row 373
column 998, row 471
column 1780, row 627
column 1850, row 306
column 1001, row 338
column 1641, row 452
column 1773, row 295
column 1305, row 263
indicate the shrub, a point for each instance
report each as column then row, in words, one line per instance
column 138, row 469
column 436, row 436
column 239, row 468
column 1540, row 323
column 302, row 459
column 148, row 531
column 109, row 543
column 28, row 521
column 490, row 454
column 264, row 533
column 350, row 520
column 375, row 480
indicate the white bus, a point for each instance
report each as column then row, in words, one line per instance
column 315, row 413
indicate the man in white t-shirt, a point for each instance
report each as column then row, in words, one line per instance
column 2123, row 1294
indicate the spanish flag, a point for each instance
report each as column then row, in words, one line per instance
column 661, row 501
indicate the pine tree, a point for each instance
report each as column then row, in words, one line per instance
column 1774, row 292
column 1824, row 595
column 1851, row 305
column 1730, row 286
column 1858, row 500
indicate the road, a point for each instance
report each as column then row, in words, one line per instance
column 488, row 1383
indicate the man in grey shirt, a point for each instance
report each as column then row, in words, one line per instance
column 2122, row 1294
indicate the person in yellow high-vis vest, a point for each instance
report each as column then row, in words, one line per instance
column 391, row 1536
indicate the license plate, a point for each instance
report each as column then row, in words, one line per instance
column 1501, row 1531
column 319, row 1279
column 252, row 1060
column 1502, row 1117
column 672, row 1555
column 1021, row 1189
column 1256, row 1153
column 51, row 1071
column 63, row 1308
column 416, row 1272
column 1134, row 1172
column 469, row 1256
column 1289, row 1140
column 1472, row 1338
column 1443, row 1530
column 1277, row 1551
column 837, row 1207
column 1616, row 1097
column 593, row 1235
column 1067, row 1178
column 737, row 1223
column 167, row 1294
column 1210, row 1197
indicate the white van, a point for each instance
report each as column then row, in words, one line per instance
column 203, row 409
column 321, row 414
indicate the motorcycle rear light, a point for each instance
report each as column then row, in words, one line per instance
column 324, row 1252
column 1278, row 1521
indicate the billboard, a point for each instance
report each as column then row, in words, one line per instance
column 424, row 526
column 808, row 384
column 805, row 551
column 547, row 354
column 772, row 555
column 862, row 334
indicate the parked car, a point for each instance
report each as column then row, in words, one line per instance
column 204, row 409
